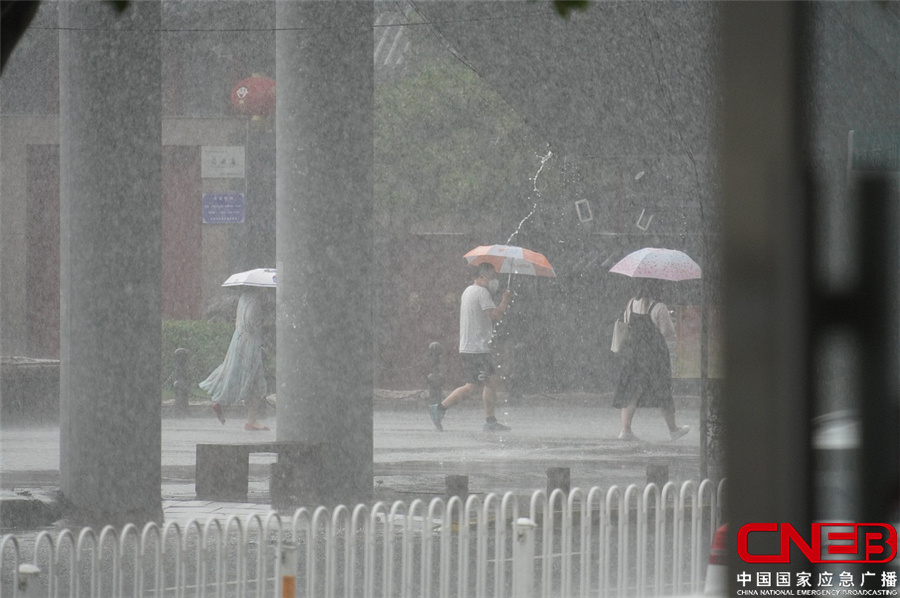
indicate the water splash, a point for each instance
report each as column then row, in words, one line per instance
column 544, row 160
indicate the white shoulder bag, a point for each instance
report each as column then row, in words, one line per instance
column 619, row 336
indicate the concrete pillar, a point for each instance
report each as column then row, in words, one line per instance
column 260, row 229
column 324, row 201
column 110, row 205
column 766, row 234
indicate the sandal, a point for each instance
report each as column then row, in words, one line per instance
column 218, row 409
column 255, row 427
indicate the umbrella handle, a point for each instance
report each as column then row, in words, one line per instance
column 508, row 279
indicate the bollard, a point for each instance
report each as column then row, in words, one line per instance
column 558, row 478
column 457, row 485
column 658, row 473
column 288, row 563
column 181, row 385
column 435, row 378
column 523, row 558
column 28, row 585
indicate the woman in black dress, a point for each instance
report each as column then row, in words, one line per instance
column 645, row 379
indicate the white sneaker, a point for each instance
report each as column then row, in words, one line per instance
column 679, row 432
column 627, row 435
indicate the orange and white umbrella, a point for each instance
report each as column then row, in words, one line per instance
column 653, row 262
column 509, row 259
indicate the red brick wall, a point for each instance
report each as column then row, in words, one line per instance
column 181, row 236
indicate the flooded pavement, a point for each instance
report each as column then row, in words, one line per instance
column 412, row 459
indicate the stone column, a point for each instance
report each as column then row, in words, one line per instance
column 766, row 240
column 324, row 245
column 110, row 186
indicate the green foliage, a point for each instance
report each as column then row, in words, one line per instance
column 206, row 341
column 448, row 149
column 564, row 7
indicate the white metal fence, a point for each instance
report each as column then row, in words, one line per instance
column 616, row 543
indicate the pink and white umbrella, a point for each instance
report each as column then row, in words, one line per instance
column 652, row 262
column 509, row 259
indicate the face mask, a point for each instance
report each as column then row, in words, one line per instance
column 493, row 285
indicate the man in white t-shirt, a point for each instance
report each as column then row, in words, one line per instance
column 477, row 313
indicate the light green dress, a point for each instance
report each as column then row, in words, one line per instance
column 241, row 377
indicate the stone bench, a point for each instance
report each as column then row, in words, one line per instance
column 223, row 470
column 30, row 390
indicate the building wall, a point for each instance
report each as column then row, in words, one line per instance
column 200, row 66
column 16, row 134
column 209, row 252
column 220, row 246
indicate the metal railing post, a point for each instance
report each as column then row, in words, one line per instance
column 523, row 558
column 28, row 586
column 288, row 568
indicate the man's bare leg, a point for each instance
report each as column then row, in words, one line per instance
column 489, row 396
column 458, row 394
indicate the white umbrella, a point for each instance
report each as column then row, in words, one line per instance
column 653, row 262
column 258, row 277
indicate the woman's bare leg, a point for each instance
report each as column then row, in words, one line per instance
column 628, row 416
column 253, row 413
column 668, row 414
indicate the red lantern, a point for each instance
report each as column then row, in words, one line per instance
column 254, row 96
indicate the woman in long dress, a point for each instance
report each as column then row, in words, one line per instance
column 242, row 376
column 645, row 379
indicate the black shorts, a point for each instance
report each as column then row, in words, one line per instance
column 477, row 366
